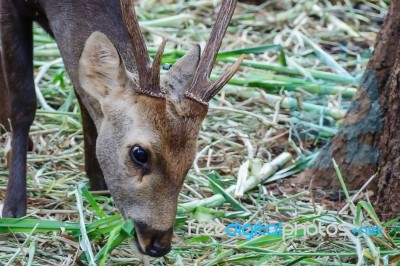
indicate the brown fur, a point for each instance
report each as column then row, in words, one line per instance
column 167, row 128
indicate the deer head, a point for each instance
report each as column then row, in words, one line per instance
column 150, row 123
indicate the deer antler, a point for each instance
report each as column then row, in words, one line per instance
column 202, row 89
column 149, row 76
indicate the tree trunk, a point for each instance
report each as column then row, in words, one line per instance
column 369, row 141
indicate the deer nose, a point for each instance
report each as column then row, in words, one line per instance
column 157, row 250
column 152, row 242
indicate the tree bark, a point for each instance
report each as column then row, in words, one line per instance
column 369, row 141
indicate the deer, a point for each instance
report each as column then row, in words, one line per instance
column 140, row 127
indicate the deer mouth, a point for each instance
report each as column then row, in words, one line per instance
column 154, row 247
column 139, row 247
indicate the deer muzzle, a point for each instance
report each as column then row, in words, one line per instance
column 152, row 242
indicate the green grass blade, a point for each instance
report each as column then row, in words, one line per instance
column 252, row 50
column 19, row 250
column 342, row 183
column 31, row 253
column 325, row 57
column 92, row 202
column 117, row 236
column 212, row 177
column 317, row 74
column 24, row 225
column 84, row 241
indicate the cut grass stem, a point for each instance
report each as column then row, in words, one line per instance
column 253, row 181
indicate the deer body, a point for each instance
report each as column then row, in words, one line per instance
column 140, row 129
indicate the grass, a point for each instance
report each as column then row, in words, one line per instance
column 303, row 62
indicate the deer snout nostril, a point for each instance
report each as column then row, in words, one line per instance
column 153, row 242
column 156, row 250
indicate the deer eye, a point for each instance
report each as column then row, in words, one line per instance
column 138, row 155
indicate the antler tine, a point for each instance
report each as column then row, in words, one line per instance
column 201, row 85
column 222, row 80
column 147, row 85
column 155, row 68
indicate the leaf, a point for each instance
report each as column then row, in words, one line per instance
column 117, row 236
column 92, row 202
column 198, row 239
column 298, row 166
column 236, row 215
column 31, row 253
column 84, row 241
column 203, row 214
column 252, row 50
column 282, row 58
column 212, row 177
column 19, row 225
column 293, row 262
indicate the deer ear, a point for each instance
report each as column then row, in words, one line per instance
column 180, row 75
column 101, row 69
